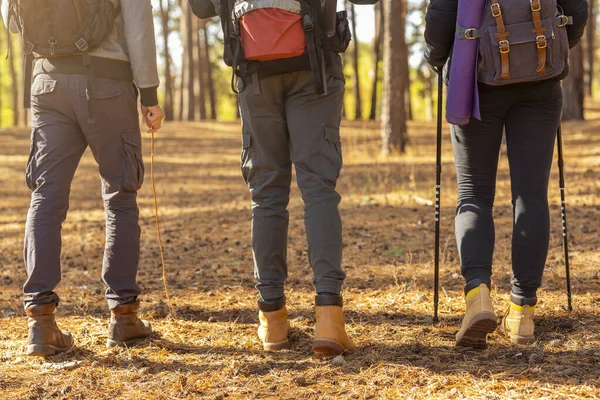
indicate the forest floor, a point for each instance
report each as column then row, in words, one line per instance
column 209, row 349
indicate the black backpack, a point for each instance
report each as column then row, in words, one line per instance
column 59, row 28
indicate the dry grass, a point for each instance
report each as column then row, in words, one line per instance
column 210, row 350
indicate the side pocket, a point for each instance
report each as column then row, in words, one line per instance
column 245, row 158
column 331, row 159
column 133, row 164
column 30, row 177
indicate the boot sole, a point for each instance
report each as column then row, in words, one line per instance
column 476, row 334
column 285, row 344
column 328, row 346
column 44, row 350
column 113, row 343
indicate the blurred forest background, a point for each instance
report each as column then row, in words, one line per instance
column 196, row 81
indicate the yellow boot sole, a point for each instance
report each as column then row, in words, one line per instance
column 479, row 327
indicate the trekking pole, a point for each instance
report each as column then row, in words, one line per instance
column 563, row 211
column 160, row 242
column 438, row 187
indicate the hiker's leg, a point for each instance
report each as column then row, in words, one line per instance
column 115, row 141
column 314, row 125
column 476, row 148
column 57, row 145
column 267, row 170
column 531, row 127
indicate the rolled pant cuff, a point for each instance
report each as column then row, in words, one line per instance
column 522, row 300
column 41, row 300
column 271, row 305
column 329, row 300
column 330, row 286
column 112, row 303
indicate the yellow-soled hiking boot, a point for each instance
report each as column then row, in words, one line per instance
column 126, row 328
column 479, row 319
column 330, row 329
column 274, row 327
column 518, row 324
column 45, row 339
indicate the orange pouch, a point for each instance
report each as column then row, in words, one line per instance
column 272, row 34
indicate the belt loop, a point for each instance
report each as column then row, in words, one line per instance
column 256, row 84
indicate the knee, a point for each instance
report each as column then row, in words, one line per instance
column 474, row 205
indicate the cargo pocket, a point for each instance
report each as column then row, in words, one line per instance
column 245, row 158
column 30, row 176
column 133, row 165
column 331, row 156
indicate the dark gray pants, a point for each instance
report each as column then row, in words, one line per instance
column 531, row 114
column 286, row 122
column 60, row 135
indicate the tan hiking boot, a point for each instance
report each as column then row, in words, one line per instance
column 330, row 330
column 518, row 324
column 126, row 327
column 479, row 319
column 274, row 329
column 45, row 339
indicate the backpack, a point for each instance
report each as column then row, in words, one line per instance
column 280, row 36
column 521, row 41
column 59, row 28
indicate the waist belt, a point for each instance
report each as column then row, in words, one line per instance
column 101, row 67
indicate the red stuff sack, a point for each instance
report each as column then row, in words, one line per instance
column 272, row 34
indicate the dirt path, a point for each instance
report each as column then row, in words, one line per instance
column 210, row 348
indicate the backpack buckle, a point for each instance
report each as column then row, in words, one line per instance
column 82, row 45
column 536, row 5
column 505, row 46
column 308, row 23
column 470, row 34
column 541, row 42
column 564, row 21
column 496, row 10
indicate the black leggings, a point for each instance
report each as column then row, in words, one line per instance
column 530, row 113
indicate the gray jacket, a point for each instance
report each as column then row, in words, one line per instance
column 132, row 40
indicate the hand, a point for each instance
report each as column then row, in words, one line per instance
column 153, row 117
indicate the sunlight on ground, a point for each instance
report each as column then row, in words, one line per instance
column 210, row 350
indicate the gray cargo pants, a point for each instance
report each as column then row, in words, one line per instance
column 59, row 137
column 285, row 122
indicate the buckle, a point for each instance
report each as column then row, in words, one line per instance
column 469, row 34
column 537, row 6
column 564, row 21
column 308, row 23
column 505, row 46
column 496, row 10
column 82, row 45
column 541, row 42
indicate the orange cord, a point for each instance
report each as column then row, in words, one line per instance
column 160, row 242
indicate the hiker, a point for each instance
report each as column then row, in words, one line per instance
column 521, row 59
column 291, row 92
column 82, row 61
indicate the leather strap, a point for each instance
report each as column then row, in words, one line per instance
column 502, row 36
column 540, row 39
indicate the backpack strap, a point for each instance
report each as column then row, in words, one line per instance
column 540, row 39
column 502, row 35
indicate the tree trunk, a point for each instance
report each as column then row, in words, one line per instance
column 355, row 58
column 573, row 86
column 14, row 82
column 209, row 74
column 188, row 49
column 201, row 71
column 591, row 47
column 377, row 44
column 164, row 16
column 395, row 52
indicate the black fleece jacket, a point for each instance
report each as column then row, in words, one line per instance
column 440, row 27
